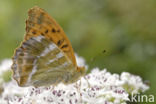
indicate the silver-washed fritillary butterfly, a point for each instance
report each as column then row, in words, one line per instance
column 45, row 57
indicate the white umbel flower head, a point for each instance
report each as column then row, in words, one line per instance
column 98, row 87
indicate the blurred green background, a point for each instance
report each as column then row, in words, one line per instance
column 126, row 29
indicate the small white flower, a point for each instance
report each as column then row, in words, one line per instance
column 5, row 65
column 134, row 83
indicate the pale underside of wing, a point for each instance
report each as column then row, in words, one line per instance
column 38, row 61
column 40, row 23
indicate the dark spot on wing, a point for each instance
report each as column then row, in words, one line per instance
column 58, row 30
column 60, row 42
column 64, row 46
column 53, row 30
column 46, row 31
column 42, row 34
column 34, row 32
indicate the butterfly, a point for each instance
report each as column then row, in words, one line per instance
column 45, row 57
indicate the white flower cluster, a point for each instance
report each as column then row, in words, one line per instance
column 4, row 66
column 98, row 87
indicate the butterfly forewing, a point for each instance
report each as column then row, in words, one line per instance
column 40, row 23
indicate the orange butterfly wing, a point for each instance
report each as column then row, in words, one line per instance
column 40, row 23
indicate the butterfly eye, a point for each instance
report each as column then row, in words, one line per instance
column 53, row 30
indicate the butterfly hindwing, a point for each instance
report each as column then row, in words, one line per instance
column 40, row 62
